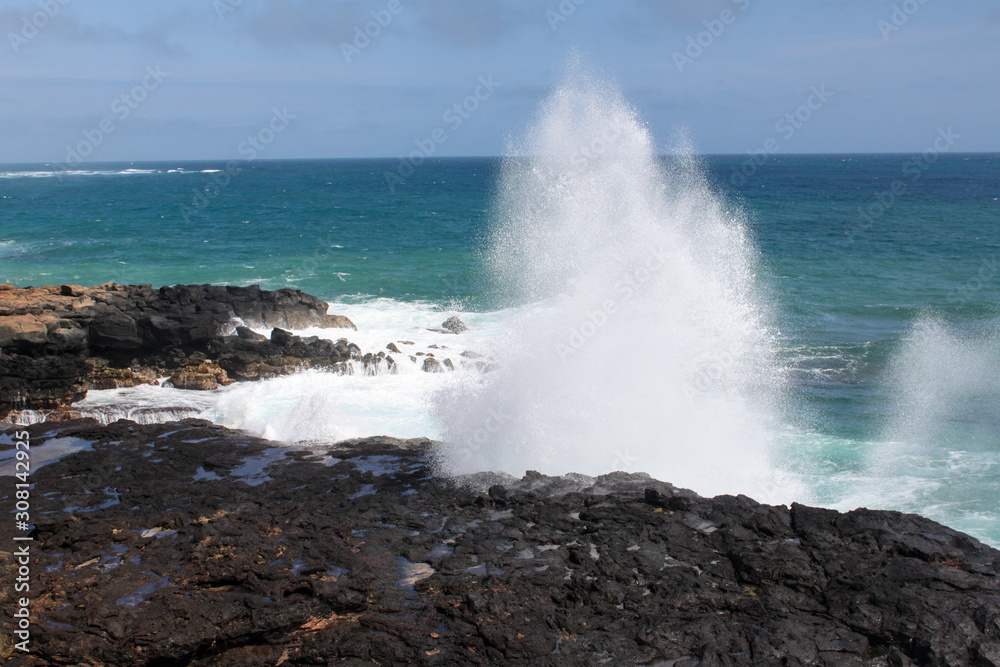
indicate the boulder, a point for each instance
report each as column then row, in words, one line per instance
column 281, row 337
column 454, row 325
column 250, row 335
column 432, row 365
column 346, row 348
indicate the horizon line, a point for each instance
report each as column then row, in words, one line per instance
column 468, row 157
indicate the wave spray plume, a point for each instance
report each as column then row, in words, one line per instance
column 639, row 338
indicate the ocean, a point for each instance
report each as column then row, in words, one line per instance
column 814, row 328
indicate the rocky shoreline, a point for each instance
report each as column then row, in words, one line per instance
column 185, row 543
column 58, row 342
column 189, row 544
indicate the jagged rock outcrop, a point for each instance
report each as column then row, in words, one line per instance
column 56, row 343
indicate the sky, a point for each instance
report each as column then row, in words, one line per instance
column 132, row 80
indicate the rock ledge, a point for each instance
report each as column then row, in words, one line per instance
column 188, row 544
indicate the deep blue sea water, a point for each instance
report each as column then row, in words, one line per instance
column 886, row 306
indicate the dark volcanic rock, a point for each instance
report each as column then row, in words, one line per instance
column 45, row 382
column 282, row 338
column 187, row 544
column 245, row 358
column 454, row 325
column 114, row 330
column 432, row 365
column 58, row 342
column 250, row 335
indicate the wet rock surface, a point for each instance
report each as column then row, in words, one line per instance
column 189, row 544
column 452, row 325
column 56, row 343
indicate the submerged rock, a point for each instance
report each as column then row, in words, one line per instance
column 432, row 365
column 454, row 325
column 186, row 543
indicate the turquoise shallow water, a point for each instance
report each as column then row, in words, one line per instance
column 887, row 306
